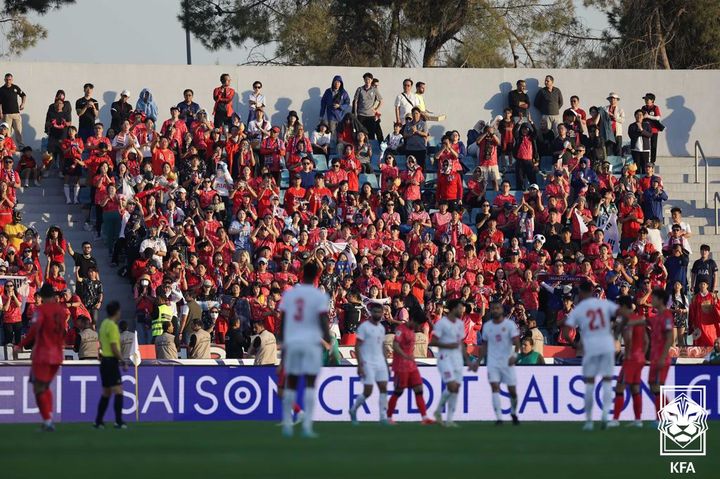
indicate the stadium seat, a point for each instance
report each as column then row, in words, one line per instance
column 369, row 178
column 430, row 177
column 284, row 179
column 490, row 196
column 401, row 161
column 282, row 196
column 617, row 163
column 321, row 163
column 546, row 163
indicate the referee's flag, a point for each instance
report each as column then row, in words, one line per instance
column 135, row 352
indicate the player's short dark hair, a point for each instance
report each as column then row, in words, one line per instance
column 122, row 325
column 310, row 271
column 112, row 308
column 626, row 301
column 453, row 303
column 586, row 287
column 661, row 294
column 197, row 322
column 676, row 209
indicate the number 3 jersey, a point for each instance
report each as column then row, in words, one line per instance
column 303, row 304
column 593, row 316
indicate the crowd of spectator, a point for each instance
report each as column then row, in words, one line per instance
column 210, row 214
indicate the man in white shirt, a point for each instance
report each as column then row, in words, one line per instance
column 304, row 325
column 594, row 318
column 405, row 101
column 372, row 365
column 500, row 344
column 685, row 230
column 448, row 336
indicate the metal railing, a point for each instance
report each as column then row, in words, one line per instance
column 698, row 153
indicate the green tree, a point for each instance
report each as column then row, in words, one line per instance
column 19, row 32
column 663, row 34
column 473, row 33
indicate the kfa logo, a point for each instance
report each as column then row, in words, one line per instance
column 682, row 421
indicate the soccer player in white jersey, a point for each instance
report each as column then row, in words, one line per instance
column 304, row 310
column 372, row 365
column 448, row 335
column 500, row 344
column 594, row 316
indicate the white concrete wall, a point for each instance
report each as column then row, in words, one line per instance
column 689, row 100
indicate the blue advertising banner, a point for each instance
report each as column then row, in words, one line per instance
column 182, row 392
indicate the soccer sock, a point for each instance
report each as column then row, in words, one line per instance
column 619, row 402
column 102, row 407
column 420, row 401
column 513, row 404
column 383, row 404
column 118, row 405
column 589, row 391
column 443, row 399
column 287, row 406
column 606, row 389
column 452, row 403
column 391, row 405
column 44, row 402
column 496, row 405
column 637, row 405
column 66, row 189
column 309, row 407
column 359, row 401
column 77, row 192
column 296, row 408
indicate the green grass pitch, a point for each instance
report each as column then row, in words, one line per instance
column 209, row 450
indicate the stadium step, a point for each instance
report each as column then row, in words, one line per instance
column 44, row 206
column 678, row 174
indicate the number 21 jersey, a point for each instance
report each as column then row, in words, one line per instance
column 593, row 316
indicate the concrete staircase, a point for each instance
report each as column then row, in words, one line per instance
column 45, row 206
column 678, row 174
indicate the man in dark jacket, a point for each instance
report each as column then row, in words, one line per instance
column 120, row 111
column 335, row 101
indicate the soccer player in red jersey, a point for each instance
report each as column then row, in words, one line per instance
column 47, row 335
column 405, row 369
column 635, row 348
column 661, row 338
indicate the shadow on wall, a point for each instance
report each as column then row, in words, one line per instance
column 310, row 109
column 105, row 105
column 282, row 108
column 678, row 125
column 29, row 134
column 499, row 101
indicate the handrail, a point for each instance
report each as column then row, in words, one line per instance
column 698, row 149
column 716, row 199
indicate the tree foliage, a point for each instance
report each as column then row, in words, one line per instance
column 680, row 34
column 471, row 33
column 19, row 32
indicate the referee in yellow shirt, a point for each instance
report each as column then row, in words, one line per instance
column 110, row 367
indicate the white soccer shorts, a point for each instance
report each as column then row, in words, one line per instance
column 450, row 371
column 598, row 365
column 502, row 374
column 303, row 360
column 375, row 373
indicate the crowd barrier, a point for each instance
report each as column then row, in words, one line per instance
column 214, row 391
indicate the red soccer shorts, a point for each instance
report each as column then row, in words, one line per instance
column 43, row 372
column 658, row 373
column 630, row 372
column 407, row 379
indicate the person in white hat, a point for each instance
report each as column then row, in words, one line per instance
column 120, row 110
column 617, row 115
